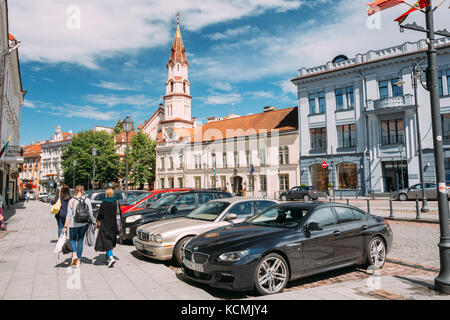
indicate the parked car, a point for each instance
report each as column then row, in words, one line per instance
column 300, row 193
column 416, row 190
column 286, row 242
column 42, row 196
column 171, row 205
column 165, row 240
column 144, row 201
column 97, row 196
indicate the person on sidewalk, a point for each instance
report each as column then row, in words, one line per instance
column 108, row 226
column 79, row 215
column 65, row 198
column 28, row 196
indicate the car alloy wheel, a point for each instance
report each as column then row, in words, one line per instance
column 271, row 274
column 306, row 197
column 402, row 197
column 377, row 252
column 283, row 198
column 178, row 250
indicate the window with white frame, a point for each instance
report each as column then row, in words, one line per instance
column 263, row 183
column 284, row 182
column 283, row 155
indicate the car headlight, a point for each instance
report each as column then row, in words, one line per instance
column 152, row 237
column 158, row 238
column 133, row 218
column 233, row 256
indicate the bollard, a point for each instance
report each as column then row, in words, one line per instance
column 347, row 201
column 340, row 195
column 391, row 212
column 334, row 196
column 368, row 206
column 329, row 200
column 356, row 193
column 373, row 195
column 417, row 208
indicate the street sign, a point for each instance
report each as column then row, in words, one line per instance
column 324, row 164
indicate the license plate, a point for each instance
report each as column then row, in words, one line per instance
column 139, row 246
column 193, row 266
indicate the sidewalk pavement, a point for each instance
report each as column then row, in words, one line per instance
column 408, row 287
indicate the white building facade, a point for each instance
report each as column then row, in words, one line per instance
column 51, row 152
column 358, row 117
column 11, row 101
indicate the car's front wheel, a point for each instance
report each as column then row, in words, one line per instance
column 272, row 274
column 376, row 253
column 306, row 197
column 283, row 198
column 178, row 250
column 402, row 197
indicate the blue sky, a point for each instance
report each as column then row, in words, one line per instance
column 242, row 54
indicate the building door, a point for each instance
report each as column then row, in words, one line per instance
column 236, row 185
column 395, row 175
column 319, row 177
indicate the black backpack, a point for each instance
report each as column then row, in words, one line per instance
column 82, row 212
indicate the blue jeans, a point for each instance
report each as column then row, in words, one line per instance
column 76, row 239
column 109, row 254
column 60, row 222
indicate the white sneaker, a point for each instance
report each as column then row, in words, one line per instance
column 111, row 262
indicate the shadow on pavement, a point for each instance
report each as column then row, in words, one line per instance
column 10, row 212
column 418, row 282
column 66, row 263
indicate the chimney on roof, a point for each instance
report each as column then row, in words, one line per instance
column 270, row 108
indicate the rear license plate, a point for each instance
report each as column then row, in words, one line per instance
column 193, row 266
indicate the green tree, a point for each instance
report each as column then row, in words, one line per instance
column 80, row 149
column 141, row 160
column 118, row 128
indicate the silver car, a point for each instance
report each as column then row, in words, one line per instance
column 416, row 190
column 165, row 240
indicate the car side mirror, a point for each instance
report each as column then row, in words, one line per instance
column 313, row 226
column 231, row 216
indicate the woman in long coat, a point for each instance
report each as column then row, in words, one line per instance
column 107, row 225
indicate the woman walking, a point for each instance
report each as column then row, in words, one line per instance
column 65, row 195
column 107, row 225
column 79, row 215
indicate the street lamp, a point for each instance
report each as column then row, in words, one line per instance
column 415, row 75
column 74, row 166
column 94, row 154
column 127, row 126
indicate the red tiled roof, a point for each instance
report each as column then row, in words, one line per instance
column 178, row 53
column 32, row 151
column 121, row 137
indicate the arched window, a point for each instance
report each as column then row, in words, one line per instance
column 171, row 86
column 348, row 175
column 184, row 87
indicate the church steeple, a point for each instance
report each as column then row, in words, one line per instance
column 177, row 99
column 178, row 53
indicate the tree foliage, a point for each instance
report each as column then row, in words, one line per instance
column 141, row 160
column 80, row 149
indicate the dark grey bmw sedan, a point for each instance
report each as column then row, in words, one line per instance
column 286, row 242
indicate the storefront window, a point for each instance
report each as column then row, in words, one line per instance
column 348, row 176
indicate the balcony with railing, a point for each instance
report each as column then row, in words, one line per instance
column 395, row 104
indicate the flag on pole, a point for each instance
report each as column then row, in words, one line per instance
column 418, row 5
column 5, row 146
column 379, row 5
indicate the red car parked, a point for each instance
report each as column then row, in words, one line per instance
column 146, row 200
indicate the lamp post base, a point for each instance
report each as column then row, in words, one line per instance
column 442, row 281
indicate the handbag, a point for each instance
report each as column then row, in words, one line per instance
column 57, row 206
column 60, row 243
column 67, row 247
column 118, row 218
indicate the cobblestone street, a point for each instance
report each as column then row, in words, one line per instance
column 30, row 270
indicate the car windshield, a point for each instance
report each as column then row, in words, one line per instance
column 139, row 198
column 280, row 217
column 209, row 211
column 164, row 201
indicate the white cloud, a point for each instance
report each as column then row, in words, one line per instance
column 221, row 98
column 120, row 27
column 232, row 33
column 29, row 104
column 118, row 86
column 337, row 29
column 287, row 87
column 114, row 100
column 260, row 94
column 223, row 86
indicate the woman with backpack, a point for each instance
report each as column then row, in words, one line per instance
column 79, row 215
column 108, row 223
column 65, row 195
